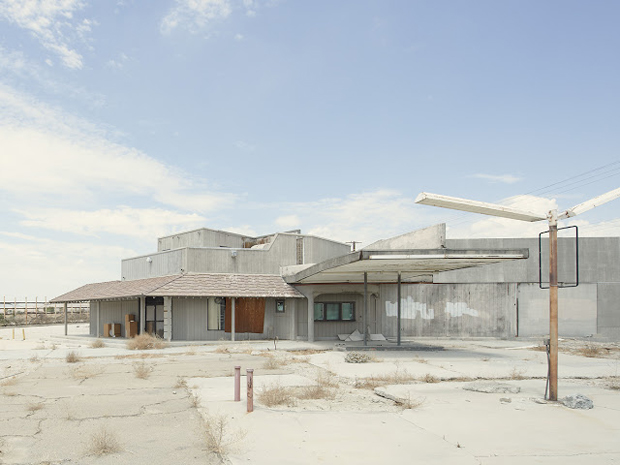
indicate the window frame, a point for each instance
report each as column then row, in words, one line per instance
column 340, row 304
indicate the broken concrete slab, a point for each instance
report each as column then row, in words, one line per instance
column 492, row 387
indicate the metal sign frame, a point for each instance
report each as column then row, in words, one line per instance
column 563, row 285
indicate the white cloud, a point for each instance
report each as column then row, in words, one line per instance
column 239, row 37
column 242, row 145
column 119, row 62
column 194, row 15
column 45, row 267
column 53, row 23
column 135, row 222
column 504, row 178
column 51, row 153
column 364, row 217
column 288, row 221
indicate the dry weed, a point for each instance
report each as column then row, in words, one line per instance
column 222, row 350
column 181, row 383
column 34, row 406
column 306, row 352
column 516, row 374
column 420, row 359
column 397, row 377
column 104, row 442
column 220, row 437
column 410, row 404
column 146, row 342
column 428, row 378
column 142, row 370
column 276, row 394
column 34, row 359
column 614, row 383
column 590, row 350
column 359, row 357
column 72, row 357
column 274, row 362
column 12, row 381
column 97, row 344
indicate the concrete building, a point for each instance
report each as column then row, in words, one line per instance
column 213, row 285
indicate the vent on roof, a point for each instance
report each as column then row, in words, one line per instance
column 300, row 251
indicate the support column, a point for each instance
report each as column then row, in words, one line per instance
column 232, row 319
column 310, row 297
column 365, row 309
column 398, row 310
column 294, row 304
column 553, row 307
column 98, row 304
column 64, row 307
column 142, row 328
column 168, row 318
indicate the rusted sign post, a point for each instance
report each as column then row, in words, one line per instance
column 237, row 383
column 250, row 374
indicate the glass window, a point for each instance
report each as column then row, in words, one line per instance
column 332, row 311
column 279, row 306
column 319, row 311
column 348, row 311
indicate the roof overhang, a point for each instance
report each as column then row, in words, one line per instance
column 414, row 265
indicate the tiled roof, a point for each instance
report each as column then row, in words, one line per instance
column 190, row 285
column 115, row 289
column 228, row 285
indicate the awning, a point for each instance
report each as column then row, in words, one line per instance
column 414, row 265
column 186, row 285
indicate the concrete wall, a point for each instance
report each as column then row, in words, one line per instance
column 161, row 264
column 455, row 310
column 608, row 300
column 200, row 238
column 189, row 322
column 577, row 311
column 112, row 312
column 317, row 249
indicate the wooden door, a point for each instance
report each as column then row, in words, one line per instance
column 249, row 315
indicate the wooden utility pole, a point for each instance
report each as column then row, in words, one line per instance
column 553, row 305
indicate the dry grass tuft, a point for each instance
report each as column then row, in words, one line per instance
column 614, row 383
column 273, row 362
column 34, row 359
column 146, row 342
column 359, row 357
column 104, row 442
column 397, row 377
column 220, row 437
column 12, row 381
column 97, row 344
column 307, row 352
column 142, row 370
column 411, row 404
column 34, row 406
column 72, row 357
column 222, row 350
column 275, row 395
column 590, row 350
column 181, row 383
column 194, row 400
column 516, row 374
column 428, row 378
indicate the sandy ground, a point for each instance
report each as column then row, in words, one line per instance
column 175, row 405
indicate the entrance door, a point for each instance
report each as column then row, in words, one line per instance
column 154, row 319
column 249, row 315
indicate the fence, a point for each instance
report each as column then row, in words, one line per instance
column 36, row 306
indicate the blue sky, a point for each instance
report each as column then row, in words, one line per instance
column 122, row 121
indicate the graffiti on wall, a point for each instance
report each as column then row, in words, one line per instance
column 410, row 309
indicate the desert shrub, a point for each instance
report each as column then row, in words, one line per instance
column 358, row 357
column 97, row 344
column 142, row 370
column 72, row 357
column 104, row 442
column 220, row 436
column 276, row 394
column 146, row 342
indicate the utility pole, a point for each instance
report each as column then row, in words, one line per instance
column 553, row 305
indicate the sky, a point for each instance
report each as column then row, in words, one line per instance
column 123, row 121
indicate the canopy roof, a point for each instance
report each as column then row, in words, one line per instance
column 190, row 285
column 414, row 265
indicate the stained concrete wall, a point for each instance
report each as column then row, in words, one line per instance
column 454, row 310
column 577, row 311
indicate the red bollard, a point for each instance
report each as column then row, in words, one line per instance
column 237, row 383
column 250, row 374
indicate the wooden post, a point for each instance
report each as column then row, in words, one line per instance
column 553, row 309
column 65, row 310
